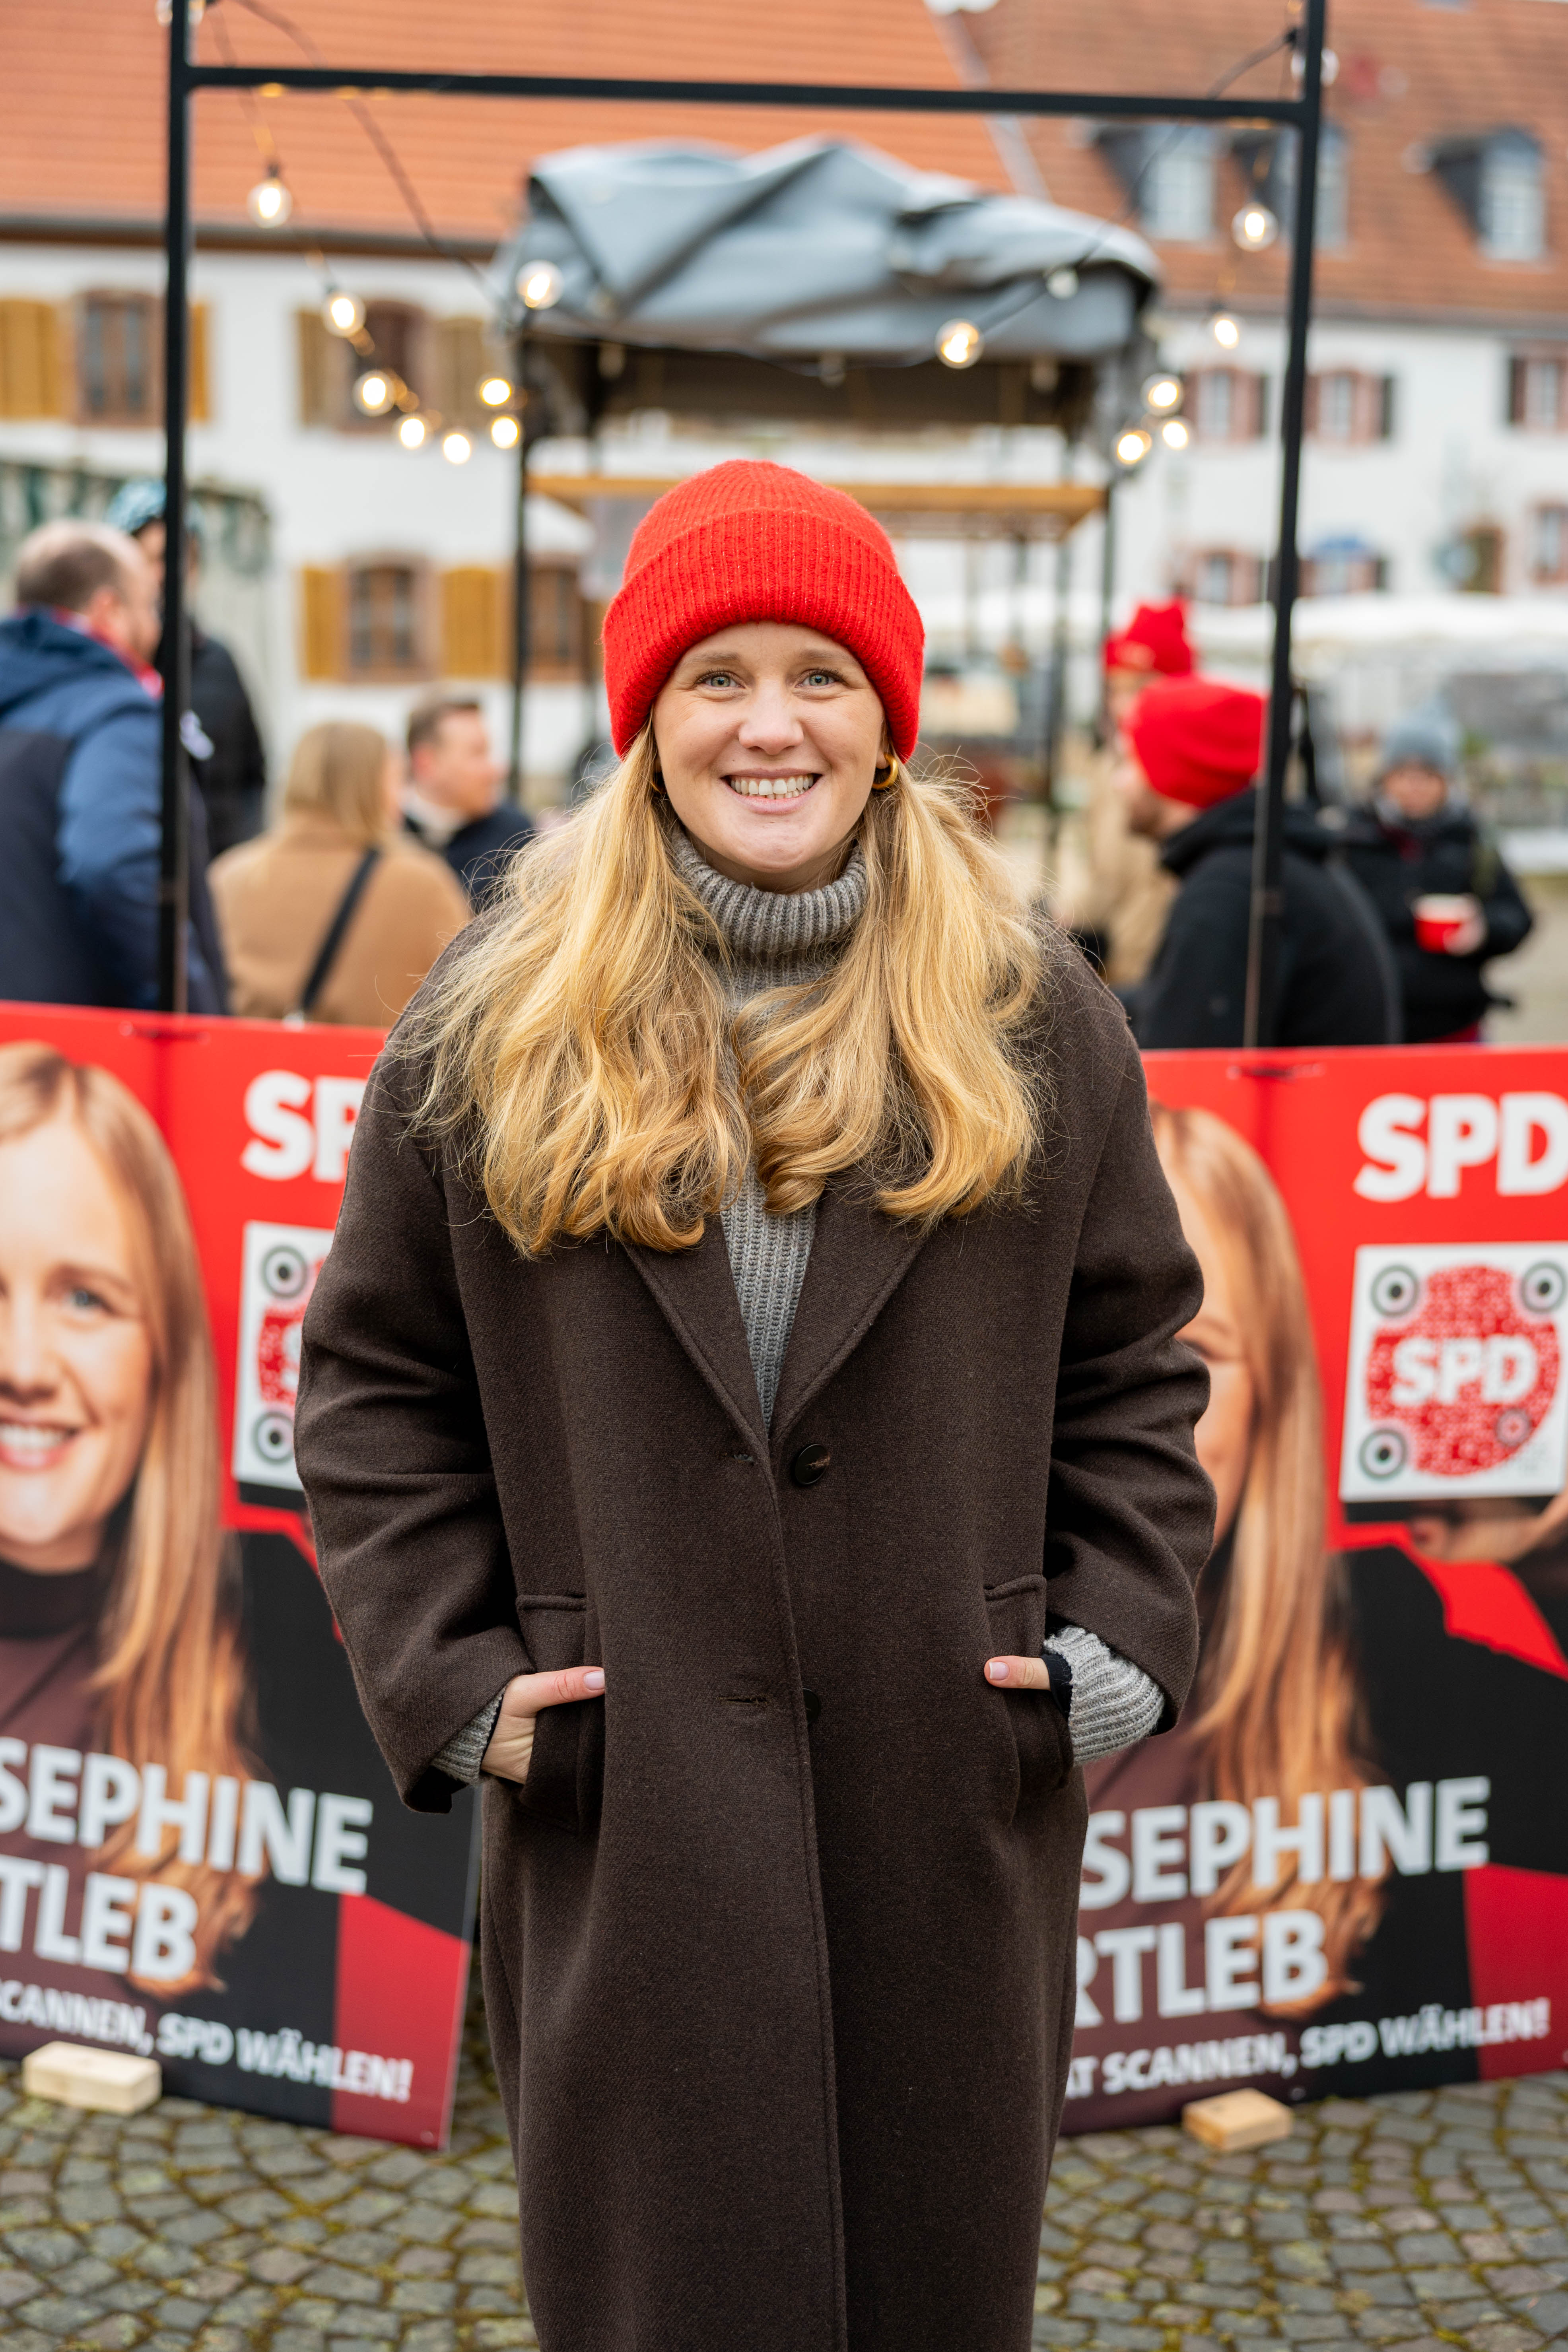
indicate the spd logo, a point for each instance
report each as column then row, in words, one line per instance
column 1455, row 1372
column 281, row 1263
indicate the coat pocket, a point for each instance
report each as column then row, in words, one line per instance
column 566, row 1770
column 1017, row 1613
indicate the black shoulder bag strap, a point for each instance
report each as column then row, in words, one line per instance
column 320, row 971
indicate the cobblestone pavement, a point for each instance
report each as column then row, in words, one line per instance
column 193, row 2228
column 1426, row 2219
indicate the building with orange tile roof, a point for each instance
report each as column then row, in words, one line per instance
column 1439, row 448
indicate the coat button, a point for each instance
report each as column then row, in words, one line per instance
column 809, row 1465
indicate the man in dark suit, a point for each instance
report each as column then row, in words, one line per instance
column 452, row 802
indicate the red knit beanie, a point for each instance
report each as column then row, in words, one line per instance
column 1198, row 741
column 1155, row 640
column 751, row 541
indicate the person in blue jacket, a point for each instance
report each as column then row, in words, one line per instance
column 81, row 760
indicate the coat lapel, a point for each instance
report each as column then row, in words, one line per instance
column 859, row 1257
column 695, row 1290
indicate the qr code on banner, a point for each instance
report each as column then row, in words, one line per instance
column 280, row 1267
column 1456, row 1367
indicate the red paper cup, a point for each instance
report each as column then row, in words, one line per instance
column 1438, row 919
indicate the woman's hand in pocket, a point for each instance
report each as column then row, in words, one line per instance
column 1008, row 1673
column 524, row 1697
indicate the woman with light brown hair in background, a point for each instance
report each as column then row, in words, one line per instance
column 118, row 1627
column 334, row 914
column 1276, row 1710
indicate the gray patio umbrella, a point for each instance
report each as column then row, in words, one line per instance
column 814, row 281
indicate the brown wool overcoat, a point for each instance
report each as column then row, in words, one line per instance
column 778, row 1940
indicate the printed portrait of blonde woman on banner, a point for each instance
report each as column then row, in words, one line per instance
column 123, row 1754
column 202, row 1856
column 1267, row 1888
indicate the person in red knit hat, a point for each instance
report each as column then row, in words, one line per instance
column 1191, row 752
column 1152, row 645
column 755, row 1279
column 1117, row 900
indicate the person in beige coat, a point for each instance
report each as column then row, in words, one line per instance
column 278, row 898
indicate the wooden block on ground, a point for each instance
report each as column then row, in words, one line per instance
column 1237, row 2120
column 77, row 2077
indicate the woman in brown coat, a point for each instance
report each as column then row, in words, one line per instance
column 750, row 1333
column 278, row 898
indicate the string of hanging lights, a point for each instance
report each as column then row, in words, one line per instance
column 960, row 341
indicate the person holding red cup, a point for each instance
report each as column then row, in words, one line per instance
column 1447, row 900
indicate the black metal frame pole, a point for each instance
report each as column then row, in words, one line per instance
column 522, row 590
column 1269, row 842
column 1106, row 593
column 816, row 98
column 1055, row 692
column 174, row 848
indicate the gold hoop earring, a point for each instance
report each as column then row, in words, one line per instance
column 657, row 777
column 884, row 778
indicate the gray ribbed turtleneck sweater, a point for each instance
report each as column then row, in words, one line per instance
column 777, row 939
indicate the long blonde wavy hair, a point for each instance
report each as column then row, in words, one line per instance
column 1279, row 1710
column 171, row 1684
column 576, row 1049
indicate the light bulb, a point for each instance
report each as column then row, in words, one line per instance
column 1225, row 330
column 343, row 314
column 1062, row 283
column 165, row 12
column 495, row 392
column 1331, row 67
column 456, row 449
column 1175, row 434
column 1133, row 445
column 411, row 433
column 270, row 202
column 539, row 283
column 1254, row 227
column 506, row 432
column 1163, row 393
column 376, row 393
column 960, row 343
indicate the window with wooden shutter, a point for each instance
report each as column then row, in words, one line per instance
column 1549, row 546
column 118, row 352
column 321, row 623
column 1349, row 407
column 1220, row 575
column 458, row 363
column 30, row 382
column 396, row 333
column 554, row 623
column 1538, row 391
column 385, row 633
column 475, row 622
column 1226, row 403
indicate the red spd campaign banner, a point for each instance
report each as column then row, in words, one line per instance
column 1346, row 1870
column 202, row 1855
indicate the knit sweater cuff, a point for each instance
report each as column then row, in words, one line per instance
column 1113, row 1701
column 465, row 1751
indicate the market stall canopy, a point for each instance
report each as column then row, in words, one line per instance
column 814, row 280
